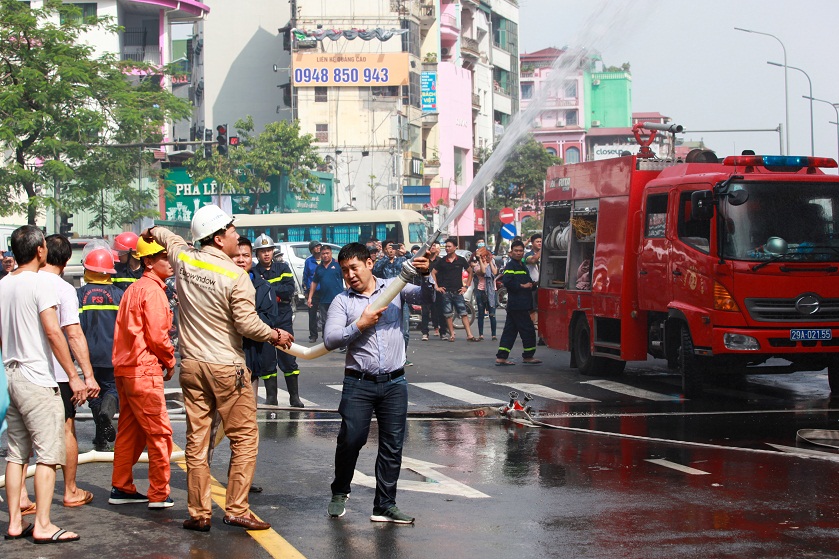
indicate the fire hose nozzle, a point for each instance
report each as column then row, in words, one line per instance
column 408, row 272
column 672, row 128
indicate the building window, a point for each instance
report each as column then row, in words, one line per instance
column 504, row 33
column 526, row 90
column 321, row 95
column 552, row 151
column 411, row 39
column 571, row 118
column 385, row 91
column 571, row 90
column 501, row 80
column 411, row 92
column 572, row 155
column 322, row 133
column 87, row 11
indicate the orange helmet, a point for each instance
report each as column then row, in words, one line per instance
column 100, row 260
column 126, row 241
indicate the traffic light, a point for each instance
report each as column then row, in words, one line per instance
column 208, row 137
column 233, row 141
column 221, row 139
column 65, row 227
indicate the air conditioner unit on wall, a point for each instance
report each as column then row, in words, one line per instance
column 595, row 123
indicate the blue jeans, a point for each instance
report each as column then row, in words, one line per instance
column 482, row 299
column 454, row 304
column 359, row 400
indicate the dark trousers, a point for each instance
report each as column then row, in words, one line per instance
column 286, row 361
column 313, row 316
column 518, row 323
column 482, row 299
column 107, row 387
column 434, row 312
column 359, row 400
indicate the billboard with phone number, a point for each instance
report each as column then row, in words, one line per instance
column 350, row 70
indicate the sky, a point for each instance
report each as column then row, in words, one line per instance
column 689, row 63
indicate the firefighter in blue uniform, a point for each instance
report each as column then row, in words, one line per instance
column 129, row 268
column 99, row 302
column 280, row 278
column 520, row 287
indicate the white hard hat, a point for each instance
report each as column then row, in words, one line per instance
column 207, row 220
column 263, row 241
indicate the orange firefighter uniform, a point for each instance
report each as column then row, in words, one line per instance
column 142, row 349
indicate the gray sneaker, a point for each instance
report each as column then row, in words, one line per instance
column 392, row 514
column 336, row 508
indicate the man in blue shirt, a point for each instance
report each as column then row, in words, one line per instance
column 309, row 268
column 326, row 282
column 374, row 380
column 389, row 267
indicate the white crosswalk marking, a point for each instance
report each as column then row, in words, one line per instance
column 678, row 467
column 621, row 388
column 340, row 387
column 545, row 392
column 282, row 397
column 456, row 393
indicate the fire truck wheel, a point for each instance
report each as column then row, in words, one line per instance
column 587, row 363
column 833, row 378
column 689, row 366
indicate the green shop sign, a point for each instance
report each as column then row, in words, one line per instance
column 183, row 197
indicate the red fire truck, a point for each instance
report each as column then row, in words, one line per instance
column 716, row 267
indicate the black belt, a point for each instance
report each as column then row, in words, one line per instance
column 374, row 378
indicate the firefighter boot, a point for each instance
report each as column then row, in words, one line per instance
column 105, row 418
column 293, row 393
column 270, row 390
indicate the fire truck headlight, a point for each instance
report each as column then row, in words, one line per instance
column 740, row 342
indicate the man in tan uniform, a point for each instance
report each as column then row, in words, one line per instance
column 216, row 300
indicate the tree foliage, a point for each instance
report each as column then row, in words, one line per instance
column 59, row 103
column 279, row 150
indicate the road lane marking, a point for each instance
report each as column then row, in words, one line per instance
column 436, row 482
column 276, row 546
column 340, row 387
column 282, row 396
column 677, row 467
column 456, row 393
column 628, row 390
column 832, row 456
column 546, row 392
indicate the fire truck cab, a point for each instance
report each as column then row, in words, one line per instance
column 716, row 267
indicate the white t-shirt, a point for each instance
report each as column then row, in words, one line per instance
column 68, row 313
column 23, row 297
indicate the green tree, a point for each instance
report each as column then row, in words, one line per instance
column 279, row 150
column 522, row 179
column 59, row 104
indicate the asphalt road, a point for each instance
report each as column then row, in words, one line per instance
column 622, row 467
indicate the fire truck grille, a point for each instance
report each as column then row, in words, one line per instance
column 784, row 310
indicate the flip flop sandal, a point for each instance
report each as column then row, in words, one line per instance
column 533, row 362
column 28, row 510
column 504, row 363
column 451, row 338
column 87, row 497
column 472, row 339
column 25, row 534
column 56, row 538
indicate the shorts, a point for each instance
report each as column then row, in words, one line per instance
column 535, row 301
column 35, row 421
column 454, row 302
column 67, row 398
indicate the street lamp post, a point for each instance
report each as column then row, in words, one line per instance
column 836, row 109
column 786, row 81
column 812, row 141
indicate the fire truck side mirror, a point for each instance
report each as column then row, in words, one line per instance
column 702, row 205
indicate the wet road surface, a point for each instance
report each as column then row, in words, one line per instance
column 615, row 480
